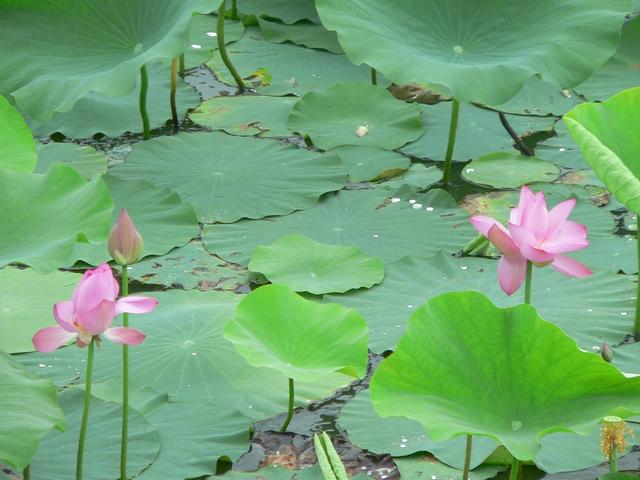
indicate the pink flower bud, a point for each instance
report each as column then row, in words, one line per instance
column 125, row 243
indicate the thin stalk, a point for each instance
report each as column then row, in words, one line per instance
column 233, row 14
column 144, row 86
column 515, row 469
column 181, row 67
column 467, row 458
column 374, row 76
column 26, row 473
column 172, row 96
column 223, row 48
column 613, row 460
column 453, row 127
column 290, row 414
column 124, row 287
column 636, row 323
column 527, row 283
column 85, row 411
column 516, row 138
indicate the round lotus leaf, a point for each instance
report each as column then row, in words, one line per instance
column 419, row 467
column 355, row 114
column 246, row 115
column 509, row 170
column 371, row 163
column 28, row 411
column 43, row 215
column 417, row 177
column 203, row 39
column 500, row 378
column 480, row 51
column 304, row 33
column 226, row 178
column 364, row 218
column 287, row 12
column 606, row 134
column 308, row 266
column 100, row 47
column 18, row 147
column 87, row 161
column 276, row 328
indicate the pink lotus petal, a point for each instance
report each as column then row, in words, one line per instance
column 512, row 270
column 570, row 267
column 521, row 235
column 502, row 240
column 63, row 313
column 95, row 286
column 124, row 335
column 536, row 217
column 558, row 215
column 571, row 236
column 525, row 201
column 98, row 319
column 133, row 304
column 50, row 338
column 483, row 224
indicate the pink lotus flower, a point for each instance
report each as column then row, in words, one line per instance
column 90, row 312
column 125, row 243
column 537, row 235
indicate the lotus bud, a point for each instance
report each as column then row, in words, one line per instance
column 606, row 352
column 125, row 243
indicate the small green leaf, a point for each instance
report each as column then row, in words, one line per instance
column 509, row 170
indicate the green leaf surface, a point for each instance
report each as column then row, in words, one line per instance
column 308, row 266
column 509, row 170
column 480, row 51
column 418, row 177
column 28, row 411
column 44, row 214
column 418, row 467
column 371, row 163
column 355, row 114
column 87, row 161
column 223, row 177
column 18, row 147
column 274, row 327
column 274, row 472
column 286, row 11
column 203, row 39
column 500, row 379
column 304, row 34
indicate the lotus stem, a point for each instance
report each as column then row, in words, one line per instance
column 467, row 458
column 290, row 414
column 181, row 65
column 453, row 127
column 172, row 96
column 144, row 86
column 26, row 473
column 515, row 469
column 516, row 138
column 527, row 283
column 85, row 410
column 124, row 287
column 374, row 76
column 233, row 13
column 223, row 48
column 636, row 323
column 613, row 460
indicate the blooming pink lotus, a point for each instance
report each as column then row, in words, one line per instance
column 537, row 235
column 90, row 313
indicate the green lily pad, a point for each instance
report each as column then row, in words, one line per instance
column 355, row 114
column 605, row 134
column 364, row 218
column 92, row 54
column 115, row 115
column 28, row 411
column 22, row 313
column 418, row 467
column 45, row 214
column 418, row 177
column 18, row 146
column 246, row 115
column 308, row 266
column 223, row 177
column 509, row 170
column 162, row 219
column 480, row 52
column 305, row 34
column 621, row 71
column 500, row 378
column 288, row 12
column 371, row 163
column 203, row 39
column 87, row 161
column 274, row 327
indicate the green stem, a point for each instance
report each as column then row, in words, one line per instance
column 172, row 96
column 374, row 76
column 527, row 283
column 26, row 473
column 290, row 414
column 233, row 14
column 515, row 469
column 453, row 127
column 613, row 460
column 124, row 287
column 223, row 48
column 467, row 458
column 636, row 323
column 85, row 410
column 181, row 67
column 144, row 86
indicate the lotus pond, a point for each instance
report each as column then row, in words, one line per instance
column 319, row 239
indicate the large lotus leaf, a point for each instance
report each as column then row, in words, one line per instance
column 621, row 71
column 605, row 133
column 305, row 34
column 100, row 47
column 162, row 219
column 274, row 327
column 479, row 132
column 246, row 115
column 288, row 12
column 480, row 51
column 592, row 310
column 511, row 375
column 86, row 160
column 28, row 410
column 280, row 69
column 44, row 214
column 227, row 178
column 419, row 467
column 203, row 38
column 18, row 147
column 364, row 218
column 56, row 455
column 22, row 313
column 509, row 170
column 308, row 266
column 371, row 163
column 186, row 356
column 355, row 114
